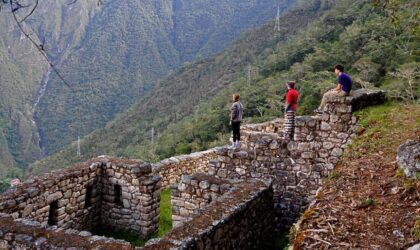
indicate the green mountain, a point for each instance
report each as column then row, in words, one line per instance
column 23, row 71
column 111, row 53
column 128, row 46
column 189, row 112
column 184, row 93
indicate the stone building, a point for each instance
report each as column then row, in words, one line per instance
column 221, row 198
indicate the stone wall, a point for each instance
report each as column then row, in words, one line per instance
column 67, row 189
column 29, row 234
column 83, row 197
column 296, row 166
column 239, row 219
column 230, row 207
column 130, row 198
column 274, row 126
column 173, row 168
column 194, row 193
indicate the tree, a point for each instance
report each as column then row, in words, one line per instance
column 406, row 82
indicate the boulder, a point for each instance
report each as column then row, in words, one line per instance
column 408, row 157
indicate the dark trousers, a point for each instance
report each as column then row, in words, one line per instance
column 236, row 127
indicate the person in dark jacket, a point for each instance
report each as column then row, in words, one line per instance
column 290, row 109
column 235, row 120
column 343, row 87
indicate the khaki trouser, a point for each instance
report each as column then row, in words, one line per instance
column 329, row 94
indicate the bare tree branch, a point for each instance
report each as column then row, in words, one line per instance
column 31, row 12
column 40, row 47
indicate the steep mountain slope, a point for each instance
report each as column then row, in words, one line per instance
column 181, row 94
column 111, row 53
column 127, row 47
column 22, row 72
column 189, row 112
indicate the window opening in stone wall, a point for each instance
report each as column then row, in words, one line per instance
column 88, row 197
column 53, row 214
column 118, row 194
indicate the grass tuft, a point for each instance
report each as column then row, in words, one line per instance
column 416, row 228
column 400, row 173
column 165, row 224
column 368, row 202
column 334, row 175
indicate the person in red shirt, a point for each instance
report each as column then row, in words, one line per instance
column 290, row 108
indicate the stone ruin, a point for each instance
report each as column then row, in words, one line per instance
column 221, row 198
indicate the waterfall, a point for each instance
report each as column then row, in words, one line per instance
column 35, row 120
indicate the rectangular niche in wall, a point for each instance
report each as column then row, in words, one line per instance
column 88, row 197
column 53, row 214
column 118, row 195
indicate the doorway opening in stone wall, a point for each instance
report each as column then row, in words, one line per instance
column 118, row 195
column 88, row 197
column 53, row 214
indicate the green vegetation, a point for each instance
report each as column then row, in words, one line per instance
column 334, row 175
column 127, row 47
column 189, row 111
column 400, row 173
column 282, row 242
column 4, row 186
column 368, row 202
column 416, row 228
column 111, row 54
column 165, row 223
column 409, row 185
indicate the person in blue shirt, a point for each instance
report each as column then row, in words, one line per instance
column 343, row 87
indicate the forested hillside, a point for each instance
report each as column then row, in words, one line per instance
column 22, row 70
column 189, row 112
column 128, row 46
column 110, row 53
column 189, row 92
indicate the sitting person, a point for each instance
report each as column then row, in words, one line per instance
column 343, row 87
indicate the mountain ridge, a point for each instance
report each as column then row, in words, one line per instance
column 76, row 37
column 193, row 106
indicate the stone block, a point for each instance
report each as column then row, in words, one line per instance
column 308, row 155
column 215, row 188
column 240, row 171
column 292, row 146
column 126, row 203
column 337, row 152
column 325, row 126
column 328, row 145
column 408, row 157
column 186, row 179
column 204, row 184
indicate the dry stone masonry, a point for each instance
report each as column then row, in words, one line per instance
column 221, row 198
column 239, row 219
column 194, row 193
column 104, row 192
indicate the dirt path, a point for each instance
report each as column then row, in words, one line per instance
column 367, row 203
